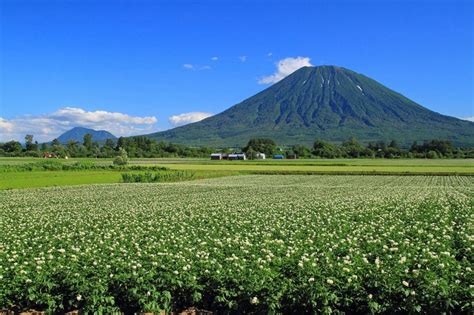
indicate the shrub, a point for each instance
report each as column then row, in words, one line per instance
column 432, row 155
column 122, row 158
column 50, row 165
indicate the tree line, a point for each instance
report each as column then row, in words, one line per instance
column 352, row 148
column 143, row 147
column 136, row 147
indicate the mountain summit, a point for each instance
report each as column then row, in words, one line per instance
column 78, row 133
column 326, row 102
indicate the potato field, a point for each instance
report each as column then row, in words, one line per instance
column 243, row 244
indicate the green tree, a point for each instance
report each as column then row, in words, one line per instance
column 72, row 148
column 394, row 144
column 352, row 148
column 13, row 147
column 432, row 154
column 377, row 149
column 325, row 149
column 261, row 145
column 251, row 154
column 443, row 148
column 88, row 142
column 109, row 144
column 57, row 148
column 122, row 158
column 393, row 150
column 28, row 142
column 108, row 148
column 301, row 151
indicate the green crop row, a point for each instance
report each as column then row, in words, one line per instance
column 163, row 176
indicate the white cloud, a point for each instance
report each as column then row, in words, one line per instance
column 5, row 125
column 243, row 58
column 186, row 118
column 49, row 126
column 286, row 67
column 269, row 54
column 465, row 118
column 215, row 58
column 189, row 66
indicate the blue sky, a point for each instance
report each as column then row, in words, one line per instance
column 129, row 66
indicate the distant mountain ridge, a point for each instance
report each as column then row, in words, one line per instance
column 326, row 102
column 78, row 133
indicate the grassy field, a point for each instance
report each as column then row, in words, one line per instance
column 315, row 162
column 328, row 168
column 11, row 180
column 25, row 160
column 352, row 166
column 16, row 180
column 407, row 163
column 204, row 168
column 247, row 244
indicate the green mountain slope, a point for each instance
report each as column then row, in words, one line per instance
column 78, row 133
column 326, row 102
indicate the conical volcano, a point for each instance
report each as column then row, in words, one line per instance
column 326, row 102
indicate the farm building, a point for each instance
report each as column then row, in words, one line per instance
column 49, row 155
column 260, row 156
column 216, row 156
column 278, row 157
column 237, row 156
